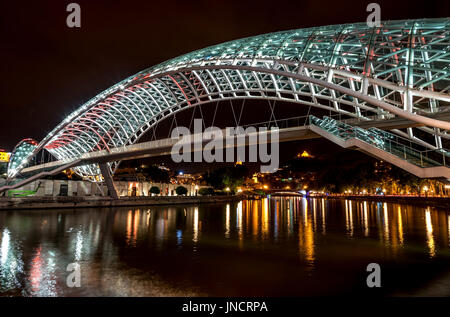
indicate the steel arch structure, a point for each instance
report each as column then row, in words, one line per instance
column 401, row 68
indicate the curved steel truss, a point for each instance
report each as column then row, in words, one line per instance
column 401, row 68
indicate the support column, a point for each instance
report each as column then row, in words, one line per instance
column 104, row 169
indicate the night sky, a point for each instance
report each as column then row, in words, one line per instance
column 48, row 70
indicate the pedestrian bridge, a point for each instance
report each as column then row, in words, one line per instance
column 398, row 71
column 373, row 141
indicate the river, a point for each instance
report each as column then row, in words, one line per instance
column 277, row 246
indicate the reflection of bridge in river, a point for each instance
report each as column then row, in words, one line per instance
column 276, row 236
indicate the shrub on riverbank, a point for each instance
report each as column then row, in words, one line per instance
column 181, row 190
column 206, row 191
column 154, row 190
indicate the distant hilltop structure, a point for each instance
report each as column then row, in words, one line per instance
column 304, row 154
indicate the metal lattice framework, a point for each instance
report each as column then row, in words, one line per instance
column 20, row 155
column 401, row 68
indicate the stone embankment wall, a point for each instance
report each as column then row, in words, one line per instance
column 54, row 188
column 90, row 201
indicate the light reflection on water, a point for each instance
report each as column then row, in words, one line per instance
column 274, row 246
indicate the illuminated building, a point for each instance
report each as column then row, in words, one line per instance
column 304, row 154
column 4, row 156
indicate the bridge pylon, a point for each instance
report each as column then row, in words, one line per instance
column 106, row 173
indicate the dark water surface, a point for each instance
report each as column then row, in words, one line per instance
column 271, row 247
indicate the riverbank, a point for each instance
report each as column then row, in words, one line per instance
column 438, row 202
column 96, row 201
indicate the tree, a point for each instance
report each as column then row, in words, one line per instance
column 206, row 191
column 3, row 168
column 155, row 174
column 181, row 190
column 231, row 177
column 154, row 190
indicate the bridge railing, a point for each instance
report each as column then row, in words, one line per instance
column 281, row 123
column 300, row 121
column 385, row 141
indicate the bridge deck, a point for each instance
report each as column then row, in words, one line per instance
column 164, row 146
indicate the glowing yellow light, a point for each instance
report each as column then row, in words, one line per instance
column 265, row 186
column 4, row 157
column 400, row 225
column 304, row 154
column 195, row 226
column 227, row 189
column 227, row 222
column 429, row 229
column 239, row 190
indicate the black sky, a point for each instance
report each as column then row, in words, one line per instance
column 48, row 70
